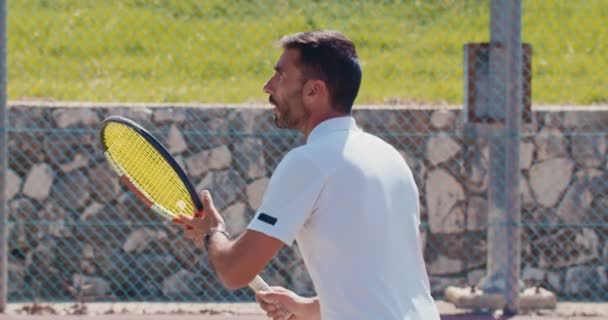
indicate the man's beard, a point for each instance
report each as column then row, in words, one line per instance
column 286, row 119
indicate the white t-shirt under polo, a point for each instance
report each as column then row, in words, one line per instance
column 350, row 201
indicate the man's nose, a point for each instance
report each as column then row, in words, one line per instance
column 268, row 87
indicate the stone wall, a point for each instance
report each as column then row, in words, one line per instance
column 72, row 222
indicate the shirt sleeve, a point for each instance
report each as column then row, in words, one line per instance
column 290, row 197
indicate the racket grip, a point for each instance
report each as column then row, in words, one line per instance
column 258, row 284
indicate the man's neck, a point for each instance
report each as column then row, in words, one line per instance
column 316, row 121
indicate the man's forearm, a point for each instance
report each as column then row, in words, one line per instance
column 222, row 259
column 238, row 261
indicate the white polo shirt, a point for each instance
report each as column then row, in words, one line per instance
column 350, row 201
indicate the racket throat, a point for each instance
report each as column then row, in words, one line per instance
column 135, row 190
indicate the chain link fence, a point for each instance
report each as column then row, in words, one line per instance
column 76, row 233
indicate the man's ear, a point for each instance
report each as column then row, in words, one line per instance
column 314, row 88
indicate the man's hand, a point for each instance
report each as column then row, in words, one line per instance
column 279, row 302
column 196, row 227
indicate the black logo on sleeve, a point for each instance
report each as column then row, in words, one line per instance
column 268, row 219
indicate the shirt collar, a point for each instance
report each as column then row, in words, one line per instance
column 344, row 123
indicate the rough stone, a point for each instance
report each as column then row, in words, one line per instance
column 580, row 280
column 526, row 155
column 255, row 192
column 418, row 169
column 533, row 274
column 589, row 245
column 39, row 181
column 76, row 116
column 555, row 280
column 176, row 140
column 139, row 240
column 475, row 171
column 574, row 248
column 91, row 210
column 58, row 221
column 589, row 150
column 88, row 251
column 104, row 182
column 439, row 284
column 182, row 283
column 443, row 119
column 180, row 161
column 88, row 268
column 550, row 143
column 444, row 197
column 586, row 119
column 218, row 158
column 26, row 150
column 173, row 115
column 61, row 147
column 549, row 179
column 525, row 193
column 141, row 115
column 72, row 190
column 225, row 186
column 78, row 162
column 16, row 274
column 250, row 155
column 477, row 214
column 441, row 148
column 39, row 262
column 443, row 265
column 94, row 287
column 475, row 276
column 563, row 198
column 603, row 275
column 13, row 184
column 216, row 125
column 23, row 209
column 576, row 203
column 255, row 119
column 237, row 218
column 552, row 120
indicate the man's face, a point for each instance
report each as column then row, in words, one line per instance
column 285, row 90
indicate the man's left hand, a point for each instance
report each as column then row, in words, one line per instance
column 196, row 227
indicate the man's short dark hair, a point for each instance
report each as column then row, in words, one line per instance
column 329, row 56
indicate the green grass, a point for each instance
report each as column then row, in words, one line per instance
column 222, row 51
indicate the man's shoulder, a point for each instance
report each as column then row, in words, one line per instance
column 377, row 141
column 298, row 157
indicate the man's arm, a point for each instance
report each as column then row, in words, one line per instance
column 235, row 261
column 238, row 261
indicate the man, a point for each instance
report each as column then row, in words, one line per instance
column 347, row 197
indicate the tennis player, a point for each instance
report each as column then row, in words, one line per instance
column 347, row 197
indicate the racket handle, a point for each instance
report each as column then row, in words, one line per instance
column 258, row 284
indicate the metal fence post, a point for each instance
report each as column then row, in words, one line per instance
column 506, row 94
column 3, row 161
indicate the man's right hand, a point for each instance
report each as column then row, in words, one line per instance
column 279, row 302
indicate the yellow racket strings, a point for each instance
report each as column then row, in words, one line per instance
column 148, row 169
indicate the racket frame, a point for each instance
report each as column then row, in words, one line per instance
column 132, row 185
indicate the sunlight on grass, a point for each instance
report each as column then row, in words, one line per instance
column 222, row 51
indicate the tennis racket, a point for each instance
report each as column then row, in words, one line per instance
column 146, row 167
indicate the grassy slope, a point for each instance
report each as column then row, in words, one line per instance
column 221, row 51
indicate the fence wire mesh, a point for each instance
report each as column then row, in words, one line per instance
column 76, row 233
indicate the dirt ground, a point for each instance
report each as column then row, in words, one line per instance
column 250, row 311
